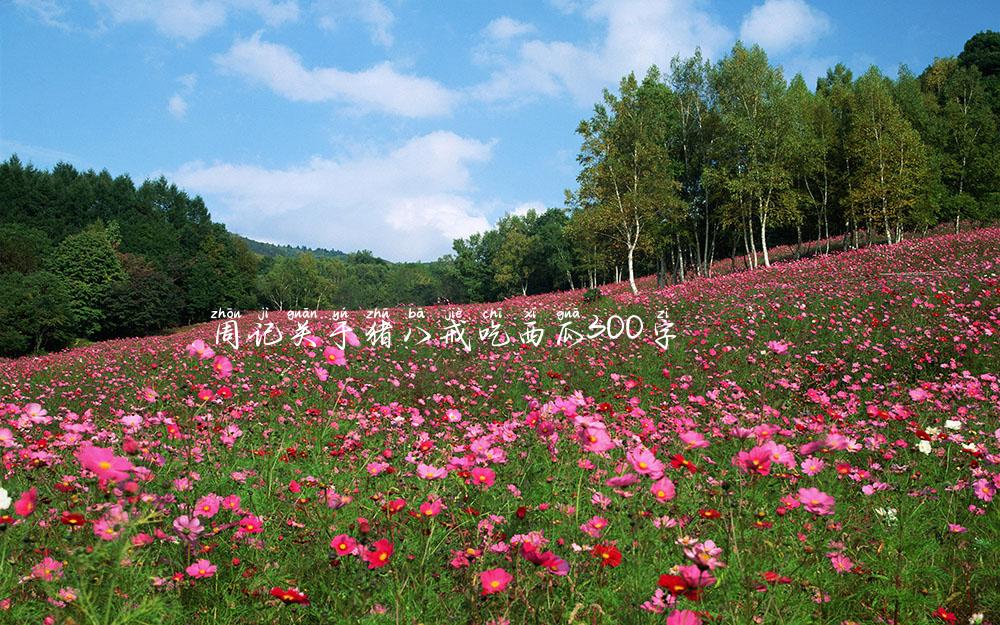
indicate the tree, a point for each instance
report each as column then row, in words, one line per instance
column 891, row 161
column 511, row 264
column 36, row 312
column 690, row 144
column 753, row 113
column 144, row 301
column 982, row 51
column 965, row 134
column 627, row 173
column 90, row 266
column 22, row 248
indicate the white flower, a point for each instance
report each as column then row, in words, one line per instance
column 976, row 618
column 952, row 424
column 933, row 431
column 4, row 499
column 889, row 514
column 924, row 446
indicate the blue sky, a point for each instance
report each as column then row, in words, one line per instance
column 391, row 125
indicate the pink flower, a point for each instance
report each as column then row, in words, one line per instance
column 344, row 545
column 918, row 394
column 106, row 529
column 483, row 476
column 494, row 580
column 222, row 366
column 103, row 462
column 427, row 472
column 663, row 489
column 47, row 570
column 705, row 555
column 250, row 524
column 596, row 439
column 207, row 506
column 778, row 347
column 334, row 356
column 757, row 460
column 816, row 501
column 841, row 563
column 231, row 503
column 321, row 373
column 956, row 529
column 430, row 508
column 200, row 349
column 693, row 440
column 644, row 462
column 188, row 526
column 812, row 466
column 25, row 505
column 683, row 617
column 201, row 568
column 594, row 526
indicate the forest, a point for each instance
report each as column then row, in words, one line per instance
column 684, row 167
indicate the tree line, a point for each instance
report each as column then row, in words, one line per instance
column 706, row 161
column 85, row 255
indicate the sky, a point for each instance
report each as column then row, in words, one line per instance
column 389, row 125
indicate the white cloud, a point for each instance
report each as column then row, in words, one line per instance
column 522, row 209
column 374, row 14
column 49, row 12
column 407, row 203
column 177, row 106
column 639, row 33
column 504, row 28
column 778, row 25
column 379, row 88
column 191, row 19
column 379, row 20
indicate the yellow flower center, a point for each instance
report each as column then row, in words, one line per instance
column 104, row 464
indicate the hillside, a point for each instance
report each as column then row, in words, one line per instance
column 792, row 404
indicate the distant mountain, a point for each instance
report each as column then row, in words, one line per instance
column 270, row 250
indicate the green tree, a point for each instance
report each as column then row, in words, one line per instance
column 36, row 312
column 753, row 110
column 22, row 248
column 144, row 302
column 90, row 266
column 627, row 173
column 891, row 163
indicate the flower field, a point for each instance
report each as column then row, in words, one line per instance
column 819, row 443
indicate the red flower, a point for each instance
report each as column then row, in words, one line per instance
column 773, row 578
column 290, row 595
column 379, row 555
column 945, row 615
column 608, row 555
column 678, row 461
column 709, row 513
column 73, row 519
column 678, row 586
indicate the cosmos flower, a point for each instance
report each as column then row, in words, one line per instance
column 378, row 556
column 201, row 569
column 494, row 580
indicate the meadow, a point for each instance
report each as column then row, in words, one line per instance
column 818, row 443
